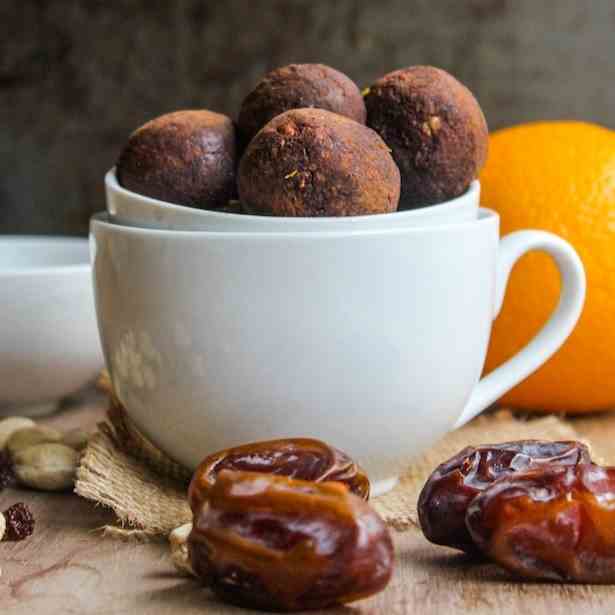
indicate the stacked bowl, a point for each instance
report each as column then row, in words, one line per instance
column 347, row 296
column 368, row 332
column 49, row 343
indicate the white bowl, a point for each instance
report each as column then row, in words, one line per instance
column 49, row 343
column 132, row 209
column 372, row 341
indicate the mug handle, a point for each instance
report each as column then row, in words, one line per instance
column 555, row 331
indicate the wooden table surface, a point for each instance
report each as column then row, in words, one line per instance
column 67, row 567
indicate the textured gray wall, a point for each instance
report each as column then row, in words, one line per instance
column 77, row 76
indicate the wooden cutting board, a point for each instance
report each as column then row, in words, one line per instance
column 67, row 567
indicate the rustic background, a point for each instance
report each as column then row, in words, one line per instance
column 77, row 76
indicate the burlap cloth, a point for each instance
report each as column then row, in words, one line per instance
column 146, row 489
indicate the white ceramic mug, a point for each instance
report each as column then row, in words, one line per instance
column 49, row 345
column 371, row 341
column 132, row 209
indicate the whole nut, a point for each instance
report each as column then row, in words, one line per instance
column 76, row 438
column 178, row 541
column 29, row 436
column 47, row 466
column 10, row 425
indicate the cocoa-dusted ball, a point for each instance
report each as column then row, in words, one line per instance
column 298, row 86
column 311, row 162
column 185, row 157
column 435, row 129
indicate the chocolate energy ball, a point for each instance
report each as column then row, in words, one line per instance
column 298, row 86
column 311, row 162
column 185, row 157
column 435, row 129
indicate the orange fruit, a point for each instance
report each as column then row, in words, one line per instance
column 559, row 177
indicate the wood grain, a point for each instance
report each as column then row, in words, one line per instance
column 68, row 567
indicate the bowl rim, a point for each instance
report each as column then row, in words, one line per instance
column 439, row 209
column 484, row 217
column 42, row 270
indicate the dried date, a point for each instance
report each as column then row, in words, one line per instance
column 300, row 458
column 444, row 499
column 555, row 523
column 275, row 543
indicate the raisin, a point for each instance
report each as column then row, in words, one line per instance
column 19, row 522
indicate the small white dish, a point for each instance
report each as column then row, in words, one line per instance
column 373, row 341
column 49, row 343
column 132, row 209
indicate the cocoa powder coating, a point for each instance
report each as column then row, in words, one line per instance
column 299, row 86
column 312, row 162
column 186, row 157
column 436, row 131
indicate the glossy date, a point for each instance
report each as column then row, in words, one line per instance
column 454, row 484
column 271, row 542
column 556, row 523
column 300, row 458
